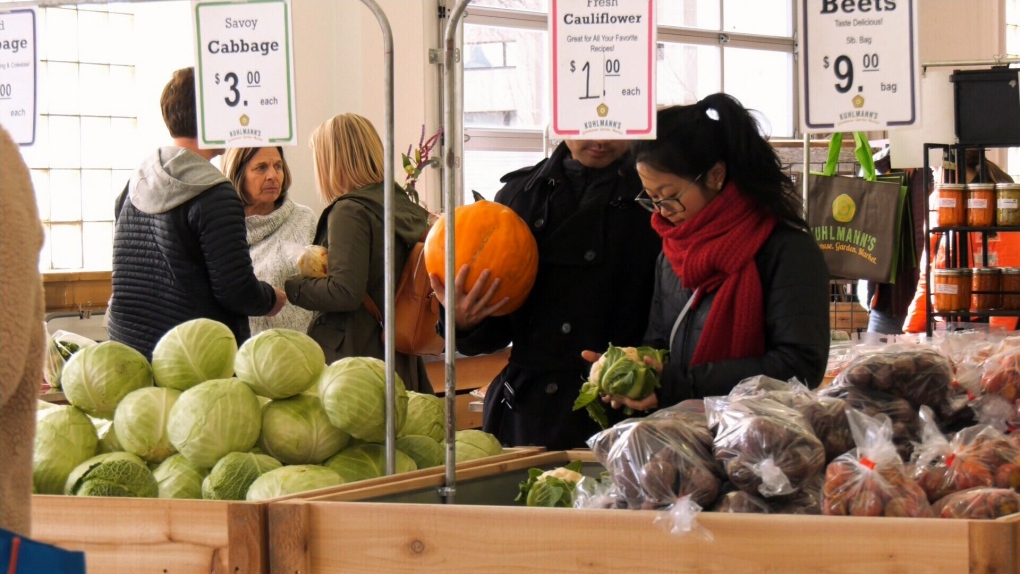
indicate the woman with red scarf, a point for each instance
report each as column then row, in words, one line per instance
column 741, row 287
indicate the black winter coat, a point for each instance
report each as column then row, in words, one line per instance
column 596, row 266
column 795, row 290
column 187, row 263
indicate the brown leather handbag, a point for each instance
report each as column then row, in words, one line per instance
column 417, row 308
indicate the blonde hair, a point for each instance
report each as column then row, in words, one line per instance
column 347, row 155
column 235, row 162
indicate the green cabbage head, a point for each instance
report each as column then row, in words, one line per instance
column 426, row 415
column 64, row 438
column 280, row 363
column 194, row 352
column 367, row 461
column 213, row 419
column 234, row 473
column 473, row 444
column 178, row 477
column 140, row 423
column 297, row 430
column 99, row 376
column 424, row 450
column 353, row 391
column 107, row 436
column 291, row 480
column 112, row 474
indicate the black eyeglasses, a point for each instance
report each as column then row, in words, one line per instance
column 669, row 204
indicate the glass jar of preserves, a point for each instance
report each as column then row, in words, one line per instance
column 1011, row 288
column 1007, row 204
column 981, row 204
column 986, row 289
column 950, row 202
column 952, row 290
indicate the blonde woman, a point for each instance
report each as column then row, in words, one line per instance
column 262, row 178
column 348, row 161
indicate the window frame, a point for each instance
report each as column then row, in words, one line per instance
column 518, row 139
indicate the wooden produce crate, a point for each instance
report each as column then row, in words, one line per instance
column 472, row 373
column 848, row 316
column 355, row 531
column 132, row 535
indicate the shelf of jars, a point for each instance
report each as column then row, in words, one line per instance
column 969, row 290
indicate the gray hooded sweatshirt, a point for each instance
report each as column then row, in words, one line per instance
column 180, row 252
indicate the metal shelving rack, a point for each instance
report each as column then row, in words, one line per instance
column 956, row 237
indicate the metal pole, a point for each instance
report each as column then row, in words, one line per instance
column 805, row 171
column 953, row 63
column 452, row 90
column 388, row 238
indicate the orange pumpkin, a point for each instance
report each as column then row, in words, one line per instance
column 491, row 236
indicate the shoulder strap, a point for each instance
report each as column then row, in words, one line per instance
column 680, row 318
column 372, row 309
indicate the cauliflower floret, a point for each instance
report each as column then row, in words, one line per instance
column 562, row 473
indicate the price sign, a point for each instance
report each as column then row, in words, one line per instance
column 18, row 74
column 859, row 65
column 245, row 72
column 603, row 68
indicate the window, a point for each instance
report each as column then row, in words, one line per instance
column 85, row 133
column 704, row 46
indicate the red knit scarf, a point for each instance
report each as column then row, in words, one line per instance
column 714, row 251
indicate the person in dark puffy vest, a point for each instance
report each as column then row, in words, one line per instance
column 180, row 248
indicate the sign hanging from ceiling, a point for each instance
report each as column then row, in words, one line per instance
column 18, row 65
column 603, row 69
column 244, row 73
column 859, row 65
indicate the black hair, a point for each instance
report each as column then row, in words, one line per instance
column 693, row 138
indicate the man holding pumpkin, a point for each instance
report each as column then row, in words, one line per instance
column 597, row 253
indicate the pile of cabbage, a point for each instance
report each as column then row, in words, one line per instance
column 207, row 419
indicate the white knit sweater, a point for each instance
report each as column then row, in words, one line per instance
column 268, row 236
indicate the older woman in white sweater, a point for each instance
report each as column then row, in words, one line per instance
column 261, row 177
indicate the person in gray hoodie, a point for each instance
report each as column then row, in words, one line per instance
column 348, row 163
column 179, row 244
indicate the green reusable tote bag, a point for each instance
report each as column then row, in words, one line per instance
column 856, row 221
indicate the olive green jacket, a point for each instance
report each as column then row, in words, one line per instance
column 351, row 229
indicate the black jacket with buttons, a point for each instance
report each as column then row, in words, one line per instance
column 597, row 253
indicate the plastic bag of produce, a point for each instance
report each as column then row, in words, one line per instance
column 825, row 415
column 982, row 503
column 620, row 371
column 740, row 502
column 654, row 462
column 766, row 448
column 968, row 459
column 906, row 426
column 309, row 260
column 1001, row 375
column 871, row 479
column 921, row 376
column 680, row 519
column 59, row 348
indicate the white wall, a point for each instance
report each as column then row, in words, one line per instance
column 948, row 30
column 338, row 61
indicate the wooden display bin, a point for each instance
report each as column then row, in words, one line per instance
column 133, row 535
column 356, row 531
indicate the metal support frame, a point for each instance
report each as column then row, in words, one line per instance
column 453, row 84
column 389, row 352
